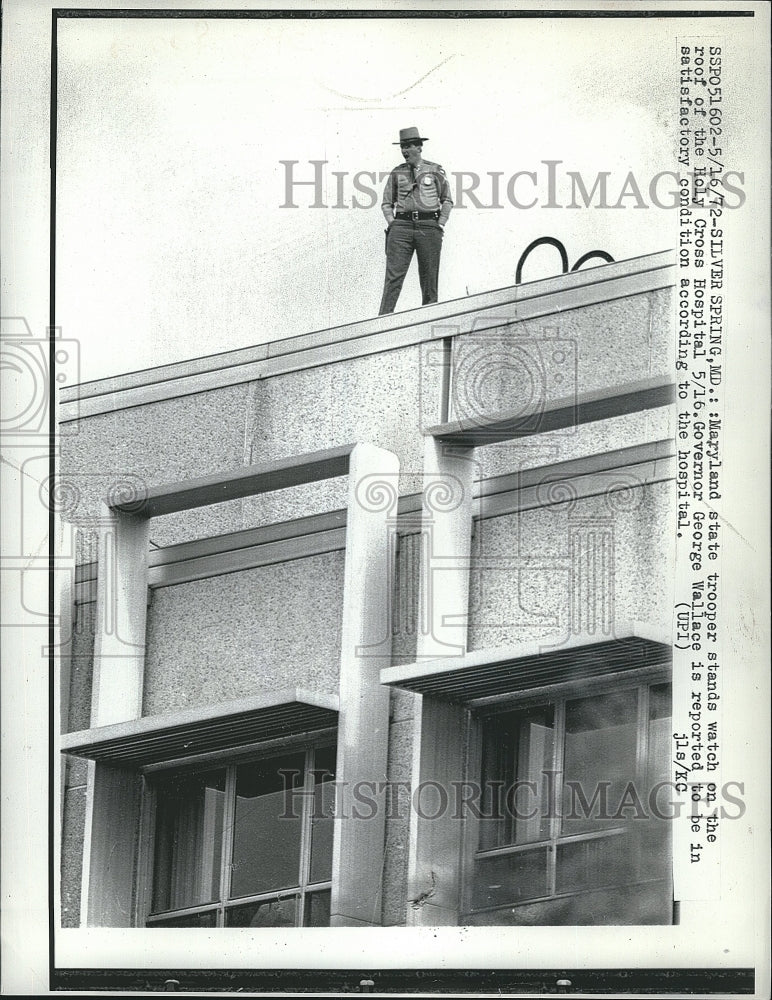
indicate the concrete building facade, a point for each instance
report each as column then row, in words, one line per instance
column 371, row 626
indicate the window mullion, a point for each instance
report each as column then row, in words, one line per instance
column 229, row 833
column 642, row 746
column 182, row 911
column 556, row 805
column 471, row 828
column 641, row 759
column 146, row 859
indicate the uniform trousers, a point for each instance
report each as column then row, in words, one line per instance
column 422, row 237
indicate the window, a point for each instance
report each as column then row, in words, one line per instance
column 245, row 845
column 570, row 801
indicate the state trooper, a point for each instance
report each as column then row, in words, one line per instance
column 416, row 204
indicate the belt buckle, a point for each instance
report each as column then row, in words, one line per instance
column 414, row 216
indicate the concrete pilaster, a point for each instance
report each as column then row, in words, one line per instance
column 363, row 725
column 439, row 732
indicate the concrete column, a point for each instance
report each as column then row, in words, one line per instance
column 363, row 727
column 110, row 845
column 433, row 883
column 448, row 480
column 112, row 803
column 119, row 644
column 434, row 863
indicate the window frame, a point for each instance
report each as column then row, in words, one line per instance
column 555, row 696
column 229, row 759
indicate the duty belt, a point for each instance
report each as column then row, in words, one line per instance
column 416, row 216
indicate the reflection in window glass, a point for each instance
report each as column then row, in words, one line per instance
column 189, row 829
column 599, row 758
column 508, row 878
column 517, row 759
column 654, row 835
column 267, row 825
column 590, row 864
column 317, row 909
column 660, row 710
column 206, row 919
column 609, row 750
column 269, row 913
column 245, row 845
column 323, row 815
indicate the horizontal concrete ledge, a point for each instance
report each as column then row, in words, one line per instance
column 254, row 479
column 607, row 282
column 568, row 411
column 168, row 574
column 487, row 673
column 635, row 466
column 287, row 712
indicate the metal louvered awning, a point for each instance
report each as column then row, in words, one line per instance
column 230, row 725
column 496, row 673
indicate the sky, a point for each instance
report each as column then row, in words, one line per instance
column 174, row 238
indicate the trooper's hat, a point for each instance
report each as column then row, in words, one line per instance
column 408, row 134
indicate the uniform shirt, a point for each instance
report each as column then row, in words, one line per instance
column 428, row 191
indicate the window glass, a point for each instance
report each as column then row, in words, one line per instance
column 189, row 833
column 323, row 814
column 591, row 864
column 267, row 825
column 517, row 766
column 317, row 909
column 660, row 710
column 655, row 842
column 508, row 878
column 608, row 750
column 599, row 759
column 206, row 919
column 262, row 828
column 268, row 913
